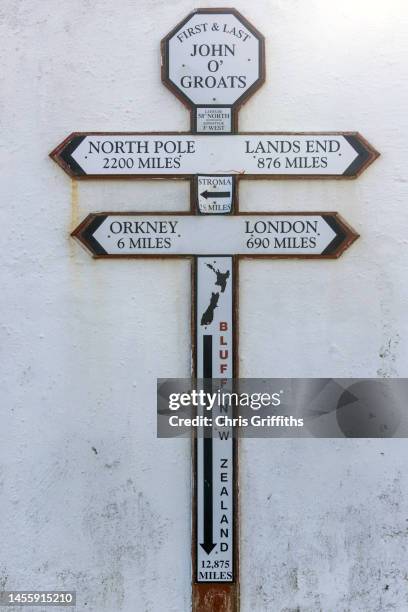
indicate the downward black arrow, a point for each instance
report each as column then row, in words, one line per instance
column 215, row 194
column 208, row 544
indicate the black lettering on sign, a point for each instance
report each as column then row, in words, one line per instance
column 213, row 82
column 272, row 146
column 188, row 32
column 236, row 32
column 126, row 147
column 213, row 50
column 143, row 227
column 281, row 227
column 180, row 147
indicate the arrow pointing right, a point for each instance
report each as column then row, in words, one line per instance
column 366, row 155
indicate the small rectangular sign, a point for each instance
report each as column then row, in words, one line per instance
column 215, row 194
column 213, row 120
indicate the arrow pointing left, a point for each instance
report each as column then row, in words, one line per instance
column 215, row 194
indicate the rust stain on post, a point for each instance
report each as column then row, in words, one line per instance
column 215, row 598
column 74, row 204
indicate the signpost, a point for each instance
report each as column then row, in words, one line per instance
column 214, row 61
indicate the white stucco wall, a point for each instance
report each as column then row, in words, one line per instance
column 91, row 500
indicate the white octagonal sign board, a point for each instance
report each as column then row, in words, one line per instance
column 213, row 57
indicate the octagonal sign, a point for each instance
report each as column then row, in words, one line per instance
column 213, row 58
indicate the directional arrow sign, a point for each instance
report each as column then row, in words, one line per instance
column 249, row 155
column 215, row 194
column 252, row 235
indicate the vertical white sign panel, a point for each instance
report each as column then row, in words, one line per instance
column 214, row 463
